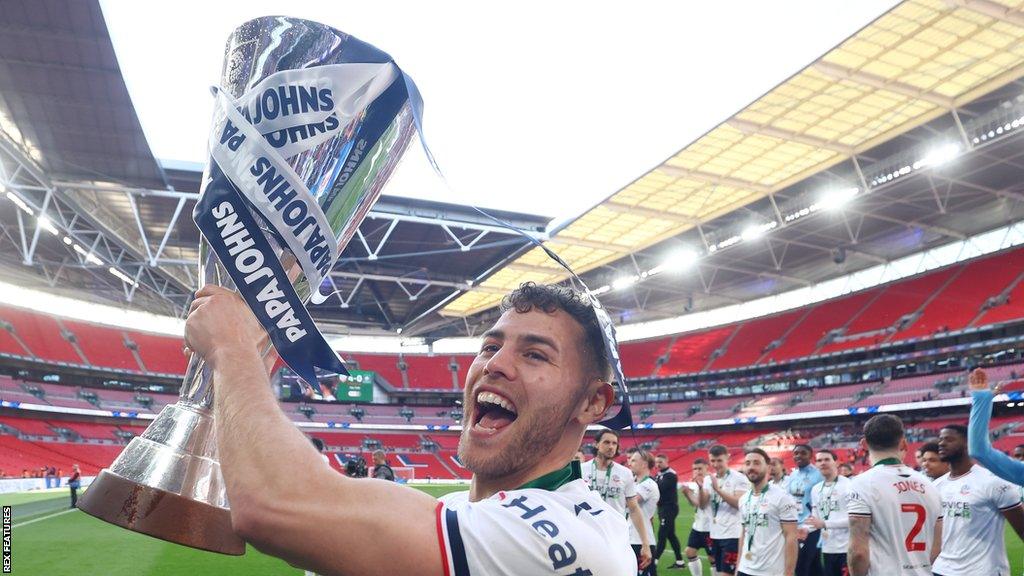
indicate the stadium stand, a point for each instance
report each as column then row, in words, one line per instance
column 644, row 356
column 915, row 308
column 961, row 301
column 940, row 300
column 161, row 354
column 752, row 339
column 41, row 335
column 807, row 335
column 692, row 352
column 102, row 346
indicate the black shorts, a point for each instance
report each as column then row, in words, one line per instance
column 698, row 540
column 835, row 564
column 651, row 568
column 726, row 554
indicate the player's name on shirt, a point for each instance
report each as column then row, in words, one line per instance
column 904, row 508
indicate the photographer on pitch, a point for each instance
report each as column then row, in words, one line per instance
column 540, row 378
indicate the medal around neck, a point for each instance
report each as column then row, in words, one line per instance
column 308, row 125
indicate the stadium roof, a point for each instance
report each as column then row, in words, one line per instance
column 869, row 116
column 921, row 60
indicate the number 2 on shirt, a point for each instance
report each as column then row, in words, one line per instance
column 919, row 510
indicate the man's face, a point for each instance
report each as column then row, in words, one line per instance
column 720, row 463
column 778, row 469
column 638, row 465
column 952, row 446
column 826, row 464
column 522, row 391
column 608, row 446
column 801, row 456
column 700, row 470
column 661, row 463
column 846, row 470
column 755, row 467
column 932, row 465
column 378, row 459
column 1018, row 453
column 919, row 458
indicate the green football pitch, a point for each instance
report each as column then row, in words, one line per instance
column 48, row 539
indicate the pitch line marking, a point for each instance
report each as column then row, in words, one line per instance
column 34, row 520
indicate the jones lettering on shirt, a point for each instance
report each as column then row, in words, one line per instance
column 908, row 485
column 251, row 262
column 562, row 553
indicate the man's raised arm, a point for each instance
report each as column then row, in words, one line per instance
column 284, row 499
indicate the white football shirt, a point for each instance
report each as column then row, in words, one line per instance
column 828, row 502
column 533, row 531
column 647, row 496
column 702, row 514
column 613, row 484
column 904, row 507
column 763, row 544
column 725, row 520
column 972, row 522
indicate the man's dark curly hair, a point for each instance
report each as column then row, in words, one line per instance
column 551, row 297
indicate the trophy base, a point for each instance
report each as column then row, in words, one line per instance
column 160, row 514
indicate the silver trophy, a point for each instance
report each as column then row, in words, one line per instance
column 167, row 482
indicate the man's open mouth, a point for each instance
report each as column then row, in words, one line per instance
column 493, row 412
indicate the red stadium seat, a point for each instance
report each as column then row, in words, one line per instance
column 41, row 334
column 692, row 352
column 103, row 346
column 160, row 353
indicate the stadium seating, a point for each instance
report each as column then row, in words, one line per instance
column 947, row 299
column 773, row 403
column 960, row 302
column 161, row 354
column 12, row 391
column 692, row 352
column 102, row 346
column 10, row 345
column 806, row 336
column 430, row 372
column 643, row 356
column 753, row 337
column 17, row 455
column 28, row 426
column 1012, row 309
column 385, row 365
column 41, row 334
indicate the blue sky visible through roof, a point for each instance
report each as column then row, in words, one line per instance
column 543, row 108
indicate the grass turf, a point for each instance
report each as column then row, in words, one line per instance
column 55, row 543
